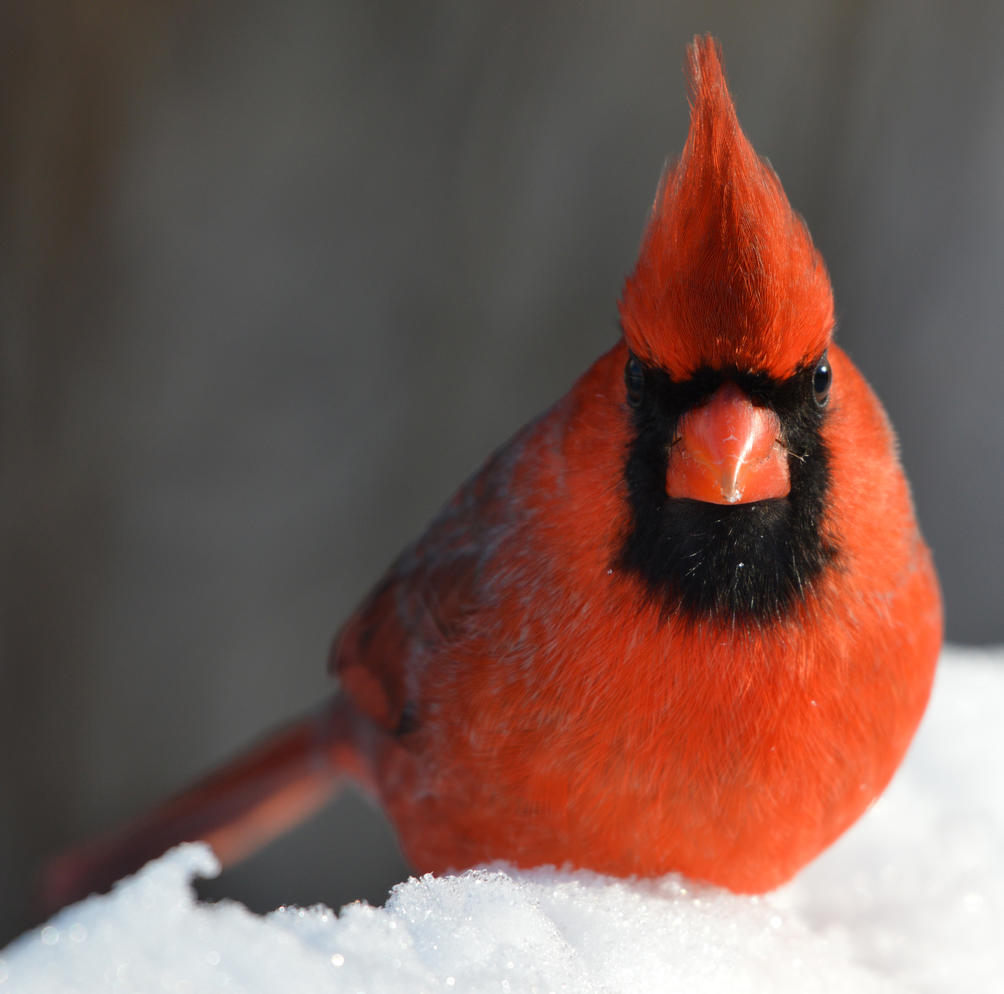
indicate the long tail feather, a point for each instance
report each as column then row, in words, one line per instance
column 237, row 809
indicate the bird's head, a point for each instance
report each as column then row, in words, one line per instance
column 727, row 318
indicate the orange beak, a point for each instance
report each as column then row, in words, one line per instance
column 728, row 452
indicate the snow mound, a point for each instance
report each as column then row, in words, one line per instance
column 911, row 899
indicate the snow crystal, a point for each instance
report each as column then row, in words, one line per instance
column 911, row 899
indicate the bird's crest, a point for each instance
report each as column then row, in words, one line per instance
column 727, row 275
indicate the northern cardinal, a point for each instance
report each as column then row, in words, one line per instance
column 682, row 621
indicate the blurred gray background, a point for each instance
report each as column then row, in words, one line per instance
column 275, row 277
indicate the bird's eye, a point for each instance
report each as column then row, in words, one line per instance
column 821, row 380
column 634, row 380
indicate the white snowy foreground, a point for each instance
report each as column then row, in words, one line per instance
column 911, row 899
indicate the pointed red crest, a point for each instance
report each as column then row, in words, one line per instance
column 728, row 275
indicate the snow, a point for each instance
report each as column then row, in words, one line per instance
column 911, row 899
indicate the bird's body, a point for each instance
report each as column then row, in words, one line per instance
column 544, row 705
column 683, row 621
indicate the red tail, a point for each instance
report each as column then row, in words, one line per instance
column 237, row 809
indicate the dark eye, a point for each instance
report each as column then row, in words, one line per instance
column 634, row 380
column 821, row 380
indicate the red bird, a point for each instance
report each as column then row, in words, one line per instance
column 683, row 621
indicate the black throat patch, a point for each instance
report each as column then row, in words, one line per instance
column 742, row 562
